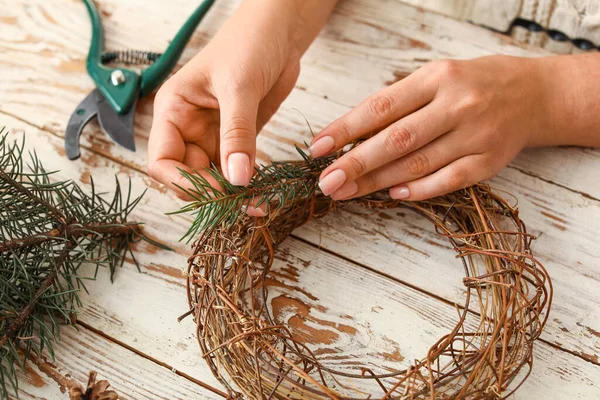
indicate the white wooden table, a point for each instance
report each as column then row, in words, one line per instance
column 333, row 269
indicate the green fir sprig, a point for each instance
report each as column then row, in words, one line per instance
column 273, row 186
column 48, row 230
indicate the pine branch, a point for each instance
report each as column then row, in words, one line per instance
column 22, row 189
column 48, row 230
column 273, row 186
column 17, row 323
column 71, row 231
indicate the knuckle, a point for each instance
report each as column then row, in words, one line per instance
column 366, row 186
column 472, row 100
column 488, row 167
column 237, row 130
column 417, row 164
column 151, row 169
column 343, row 132
column 398, row 140
column 379, row 106
column 458, row 178
column 357, row 166
column 240, row 81
column 294, row 70
column 182, row 196
column 163, row 96
column 447, row 69
column 374, row 183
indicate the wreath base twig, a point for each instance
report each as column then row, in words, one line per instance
column 252, row 355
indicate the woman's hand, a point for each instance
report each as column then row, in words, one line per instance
column 212, row 109
column 447, row 126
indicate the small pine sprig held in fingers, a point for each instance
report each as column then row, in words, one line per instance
column 48, row 230
column 273, row 186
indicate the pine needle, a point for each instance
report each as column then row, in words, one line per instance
column 48, row 230
column 273, row 186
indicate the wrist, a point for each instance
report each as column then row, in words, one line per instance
column 296, row 22
column 568, row 100
column 310, row 16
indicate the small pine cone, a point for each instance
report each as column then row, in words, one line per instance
column 95, row 390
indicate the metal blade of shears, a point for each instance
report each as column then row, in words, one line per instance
column 85, row 111
column 118, row 126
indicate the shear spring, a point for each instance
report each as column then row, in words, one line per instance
column 130, row 57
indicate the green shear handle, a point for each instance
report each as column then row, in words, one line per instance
column 117, row 90
column 121, row 86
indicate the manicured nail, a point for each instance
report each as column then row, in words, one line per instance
column 238, row 167
column 332, row 182
column 321, row 146
column 348, row 189
column 400, row 192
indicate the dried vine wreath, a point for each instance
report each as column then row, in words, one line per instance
column 253, row 356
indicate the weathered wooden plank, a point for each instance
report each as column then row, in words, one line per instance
column 158, row 301
column 43, row 79
column 306, row 293
column 376, row 319
column 310, row 292
column 361, row 50
column 131, row 375
column 572, row 167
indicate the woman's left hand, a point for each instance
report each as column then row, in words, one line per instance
column 447, row 126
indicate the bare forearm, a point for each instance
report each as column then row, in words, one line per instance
column 572, row 100
column 299, row 20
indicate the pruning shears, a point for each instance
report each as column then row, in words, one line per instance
column 117, row 90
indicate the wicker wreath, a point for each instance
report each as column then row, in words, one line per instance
column 508, row 294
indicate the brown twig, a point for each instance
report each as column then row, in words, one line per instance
column 74, row 231
column 48, row 369
column 15, row 325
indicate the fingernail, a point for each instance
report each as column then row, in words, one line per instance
column 238, row 167
column 332, row 182
column 322, row 146
column 400, row 192
column 254, row 211
column 348, row 189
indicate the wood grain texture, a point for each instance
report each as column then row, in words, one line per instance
column 132, row 376
column 360, row 51
column 153, row 298
column 363, row 48
column 310, row 291
column 404, row 246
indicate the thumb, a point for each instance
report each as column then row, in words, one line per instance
column 238, row 138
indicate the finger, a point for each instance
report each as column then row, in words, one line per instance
column 176, row 122
column 415, row 165
column 377, row 111
column 191, row 84
column 195, row 157
column 168, row 173
column 278, row 93
column 400, row 138
column 238, row 137
column 460, row 174
column 167, row 153
column 166, row 149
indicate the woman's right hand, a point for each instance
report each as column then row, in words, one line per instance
column 212, row 109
